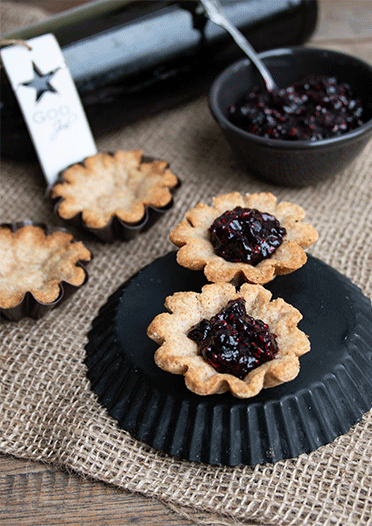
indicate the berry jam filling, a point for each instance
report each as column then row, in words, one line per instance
column 246, row 235
column 233, row 342
column 313, row 109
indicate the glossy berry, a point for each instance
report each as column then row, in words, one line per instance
column 246, row 235
column 233, row 342
column 316, row 108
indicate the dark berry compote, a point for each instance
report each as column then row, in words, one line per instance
column 313, row 109
column 246, row 235
column 233, row 342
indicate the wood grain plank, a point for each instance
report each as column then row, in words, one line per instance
column 33, row 493
column 345, row 19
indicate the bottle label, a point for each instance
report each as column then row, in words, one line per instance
column 50, row 104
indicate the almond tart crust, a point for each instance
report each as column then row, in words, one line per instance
column 178, row 354
column 31, row 261
column 105, row 185
column 196, row 251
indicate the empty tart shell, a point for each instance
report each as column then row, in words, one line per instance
column 178, row 354
column 115, row 195
column 197, row 252
column 39, row 268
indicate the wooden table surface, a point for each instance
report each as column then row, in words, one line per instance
column 33, row 493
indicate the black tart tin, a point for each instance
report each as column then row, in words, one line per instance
column 29, row 306
column 331, row 393
column 116, row 229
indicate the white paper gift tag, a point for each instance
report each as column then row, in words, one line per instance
column 50, row 104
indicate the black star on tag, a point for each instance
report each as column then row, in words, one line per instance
column 49, row 102
column 41, row 83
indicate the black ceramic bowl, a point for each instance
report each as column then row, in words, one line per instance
column 293, row 163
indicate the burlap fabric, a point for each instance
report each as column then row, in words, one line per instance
column 48, row 412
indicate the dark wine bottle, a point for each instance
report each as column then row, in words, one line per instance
column 131, row 58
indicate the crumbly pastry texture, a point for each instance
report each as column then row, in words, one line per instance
column 31, row 261
column 197, row 253
column 178, row 354
column 106, row 185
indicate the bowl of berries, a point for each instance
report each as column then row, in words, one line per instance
column 311, row 127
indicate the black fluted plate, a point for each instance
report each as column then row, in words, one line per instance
column 331, row 393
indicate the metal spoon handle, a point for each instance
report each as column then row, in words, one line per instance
column 214, row 12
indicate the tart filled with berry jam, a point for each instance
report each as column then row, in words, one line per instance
column 224, row 339
column 240, row 239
